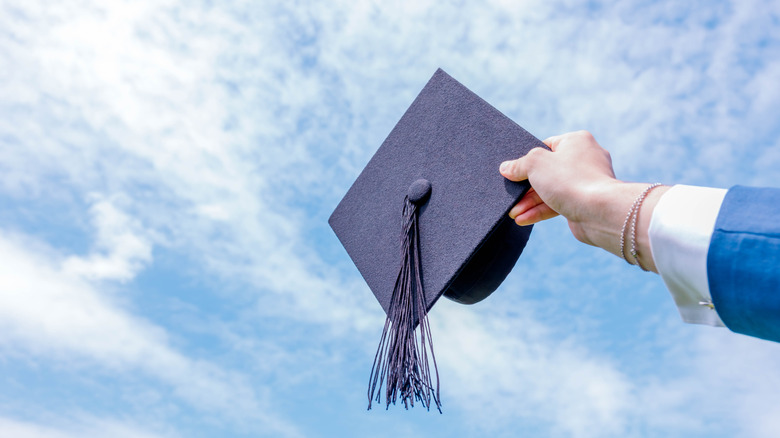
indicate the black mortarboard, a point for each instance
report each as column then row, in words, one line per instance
column 435, row 182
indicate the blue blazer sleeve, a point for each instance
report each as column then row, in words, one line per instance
column 743, row 262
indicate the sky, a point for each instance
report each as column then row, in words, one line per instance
column 167, row 169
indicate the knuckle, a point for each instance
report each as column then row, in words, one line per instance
column 534, row 157
column 584, row 134
column 534, row 154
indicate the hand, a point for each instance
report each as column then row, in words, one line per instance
column 575, row 179
column 563, row 180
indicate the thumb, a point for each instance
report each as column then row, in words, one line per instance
column 515, row 170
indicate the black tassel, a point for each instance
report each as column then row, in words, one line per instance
column 402, row 357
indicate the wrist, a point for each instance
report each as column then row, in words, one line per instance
column 602, row 217
column 599, row 219
column 645, row 215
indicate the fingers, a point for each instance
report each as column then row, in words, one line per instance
column 535, row 215
column 530, row 200
column 580, row 137
column 531, row 209
column 552, row 142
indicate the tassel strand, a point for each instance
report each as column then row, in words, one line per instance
column 401, row 360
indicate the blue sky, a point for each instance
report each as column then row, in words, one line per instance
column 167, row 170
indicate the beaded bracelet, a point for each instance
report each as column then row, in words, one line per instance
column 631, row 218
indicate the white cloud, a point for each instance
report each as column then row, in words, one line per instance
column 231, row 130
column 55, row 314
column 736, row 376
column 509, row 367
column 508, row 370
column 122, row 249
column 21, row 429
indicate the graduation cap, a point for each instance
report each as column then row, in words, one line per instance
column 428, row 217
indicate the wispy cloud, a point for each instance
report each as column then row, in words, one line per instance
column 95, row 427
column 508, row 368
column 53, row 312
column 121, row 250
column 221, row 136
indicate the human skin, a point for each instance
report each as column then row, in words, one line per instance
column 575, row 179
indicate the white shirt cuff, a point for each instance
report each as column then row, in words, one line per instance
column 680, row 233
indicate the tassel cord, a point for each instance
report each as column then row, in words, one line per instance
column 401, row 361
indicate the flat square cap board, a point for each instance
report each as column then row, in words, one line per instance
column 452, row 138
column 429, row 213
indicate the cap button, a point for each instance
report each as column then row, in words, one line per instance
column 419, row 191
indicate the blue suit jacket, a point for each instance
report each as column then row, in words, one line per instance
column 743, row 262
